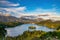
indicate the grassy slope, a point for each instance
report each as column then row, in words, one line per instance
column 50, row 24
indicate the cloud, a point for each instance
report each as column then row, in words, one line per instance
column 13, row 11
column 43, row 11
column 8, row 4
column 9, row 8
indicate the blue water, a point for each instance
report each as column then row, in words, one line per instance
column 18, row 30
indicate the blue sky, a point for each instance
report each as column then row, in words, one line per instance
column 17, row 7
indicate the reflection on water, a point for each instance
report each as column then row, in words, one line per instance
column 20, row 29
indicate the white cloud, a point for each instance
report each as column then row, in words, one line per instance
column 7, row 3
column 16, row 11
column 43, row 11
column 20, row 10
column 40, row 11
column 13, row 11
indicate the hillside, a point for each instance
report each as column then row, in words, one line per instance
column 8, row 18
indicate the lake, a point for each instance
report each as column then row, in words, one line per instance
column 18, row 30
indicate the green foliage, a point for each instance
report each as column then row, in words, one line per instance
column 51, row 36
column 34, row 35
column 32, row 27
column 37, row 35
column 28, row 35
column 9, row 24
column 50, row 24
column 3, row 32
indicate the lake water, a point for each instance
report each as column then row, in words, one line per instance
column 18, row 30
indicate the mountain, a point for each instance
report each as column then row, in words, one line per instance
column 4, row 18
column 40, row 17
column 29, row 17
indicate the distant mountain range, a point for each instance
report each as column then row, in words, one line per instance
column 8, row 18
column 41, row 17
column 26, row 17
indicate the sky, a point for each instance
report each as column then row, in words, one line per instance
column 18, row 7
